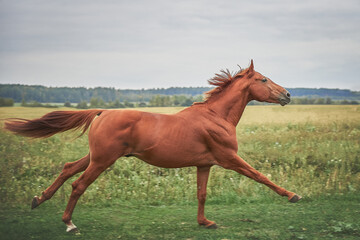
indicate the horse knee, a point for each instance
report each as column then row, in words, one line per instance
column 67, row 166
column 77, row 189
column 65, row 172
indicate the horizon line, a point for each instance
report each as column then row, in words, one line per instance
column 144, row 89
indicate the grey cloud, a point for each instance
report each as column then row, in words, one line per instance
column 135, row 44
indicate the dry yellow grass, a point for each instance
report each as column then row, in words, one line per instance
column 300, row 114
column 272, row 114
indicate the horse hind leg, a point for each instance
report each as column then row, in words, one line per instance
column 95, row 168
column 69, row 170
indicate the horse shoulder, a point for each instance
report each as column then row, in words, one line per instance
column 220, row 139
column 216, row 132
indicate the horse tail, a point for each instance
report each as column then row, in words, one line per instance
column 52, row 123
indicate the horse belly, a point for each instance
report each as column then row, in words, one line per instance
column 175, row 156
column 168, row 141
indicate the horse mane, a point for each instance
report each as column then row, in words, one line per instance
column 222, row 80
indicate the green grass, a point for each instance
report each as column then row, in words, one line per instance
column 328, row 217
column 311, row 150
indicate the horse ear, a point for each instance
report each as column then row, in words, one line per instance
column 250, row 70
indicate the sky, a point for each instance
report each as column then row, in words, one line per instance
column 159, row 44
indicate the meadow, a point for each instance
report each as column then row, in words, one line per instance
column 311, row 150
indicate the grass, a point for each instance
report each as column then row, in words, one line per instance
column 311, row 150
column 332, row 217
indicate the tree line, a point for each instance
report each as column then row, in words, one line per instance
column 43, row 94
column 164, row 101
column 98, row 102
column 155, row 101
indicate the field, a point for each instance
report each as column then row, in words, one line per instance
column 311, row 150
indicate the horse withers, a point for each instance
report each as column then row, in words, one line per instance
column 202, row 135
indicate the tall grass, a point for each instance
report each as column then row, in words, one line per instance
column 312, row 150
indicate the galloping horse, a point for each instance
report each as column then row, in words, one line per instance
column 202, row 135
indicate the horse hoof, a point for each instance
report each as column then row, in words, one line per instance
column 212, row 226
column 73, row 231
column 295, row 198
column 71, row 228
column 35, row 202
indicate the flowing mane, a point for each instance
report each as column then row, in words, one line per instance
column 222, row 80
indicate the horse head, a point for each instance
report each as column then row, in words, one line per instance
column 262, row 89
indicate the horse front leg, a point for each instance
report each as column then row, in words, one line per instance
column 69, row 170
column 202, row 178
column 239, row 165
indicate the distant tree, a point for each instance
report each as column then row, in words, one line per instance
column 328, row 101
column 82, row 105
column 176, row 102
column 128, row 104
column 37, row 104
column 142, row 104
column 155, row 101
column 188, row 102
column 346, row 102
column 6, row 102
column 311, row 101
column 97, row 103
column 116, row 104
column 67, row 104
column 167, row 101
column 319, row 101
column 94, row 102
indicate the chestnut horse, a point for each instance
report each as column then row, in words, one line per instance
column 202, row 135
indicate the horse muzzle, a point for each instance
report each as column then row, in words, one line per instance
column 284, row 98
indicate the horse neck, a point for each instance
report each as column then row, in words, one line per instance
column 231, row 102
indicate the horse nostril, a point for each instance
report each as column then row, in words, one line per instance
column 288, row 94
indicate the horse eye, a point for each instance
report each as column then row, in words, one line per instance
column 264, row 80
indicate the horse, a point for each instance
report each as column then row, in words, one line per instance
column 202, row 135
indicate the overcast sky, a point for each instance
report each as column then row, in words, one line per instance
column 153, row 44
